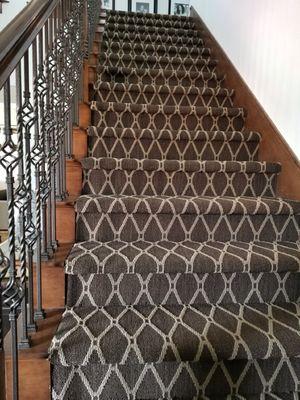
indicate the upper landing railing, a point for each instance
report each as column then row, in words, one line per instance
column 42, row 52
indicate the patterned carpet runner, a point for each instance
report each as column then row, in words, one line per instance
column 184, row 280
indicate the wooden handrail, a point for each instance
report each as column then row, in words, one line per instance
column 18, row 35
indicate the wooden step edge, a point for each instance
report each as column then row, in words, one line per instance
column 73, row 177
column 65, row 221
column 80, row 143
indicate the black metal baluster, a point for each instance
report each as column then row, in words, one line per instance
column 21, row 205
column 12, row 292
column 50, row 125
column 42, row 90
column 29, row 120
column 38, row 159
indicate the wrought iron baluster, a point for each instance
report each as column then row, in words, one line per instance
column 21, row 200
column 38, row 160
column 47, row 108
column 50, row 150
column 29, row 120
column 13, row 292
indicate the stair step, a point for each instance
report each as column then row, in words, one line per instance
column 142, row 257
column 129, row 14
column 141, row 116
column 136, row 37
column 251, row 380
column 179, row 218
column 144, row 61
column 153, row 30
column 173, row 145
column 157, row 334
column 146, row 50
column 163, row 94
column 169, row 289
column 159, row 77
column 148, row 20
column 173, row 178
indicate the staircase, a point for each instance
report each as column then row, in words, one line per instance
column 184, row 280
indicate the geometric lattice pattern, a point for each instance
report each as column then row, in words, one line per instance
column 182, row 289
column 130, row 218
column 151, row 94
column 156, row 50
column 158, row 77
column 173, row 145
column 257, row 380
column 127, row 115
column 142, row 257
column 176, row 178
column 184, row 281
column 120, row 38
column 161, row 333
column 186, row 64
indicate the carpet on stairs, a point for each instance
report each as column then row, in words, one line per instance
column 184, row 281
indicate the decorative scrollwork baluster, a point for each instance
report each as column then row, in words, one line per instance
column 13, row 292
column 38, row 160
column 21, row 204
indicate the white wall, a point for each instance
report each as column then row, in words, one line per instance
column 10, row 10
column 262, row 39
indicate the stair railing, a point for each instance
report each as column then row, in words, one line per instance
column 42, row 52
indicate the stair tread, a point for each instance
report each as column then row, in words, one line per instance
column 179, row 205
column 153, row 108
column 175, row 135
column 128, row 37
column 162, row 89
column 160, row 72
column 112, row 163
column 156, row 50
column 118, row 257
column 156, row 334
column 126, row 27
column 146, row 19
column 146, row 58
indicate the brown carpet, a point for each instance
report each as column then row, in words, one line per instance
column 184, row 281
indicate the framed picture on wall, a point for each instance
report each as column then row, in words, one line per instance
column 142, row 7
column 107, row 4
column 181, row 9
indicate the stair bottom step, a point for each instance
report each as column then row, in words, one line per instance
column 253, row 379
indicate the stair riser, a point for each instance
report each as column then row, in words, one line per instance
column 155, row 118
column 182, row 258
column 153, row 30
column 164, row 63
column 154, row 227
column 167, row 99
column 147, row 50
column 152, row 183
column 148, row 22
column 157, row 77
column 184, row 381
column 176, row 289
column 124, row 37
column 171, row 150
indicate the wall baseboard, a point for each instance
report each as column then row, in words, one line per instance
column 273, row 146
